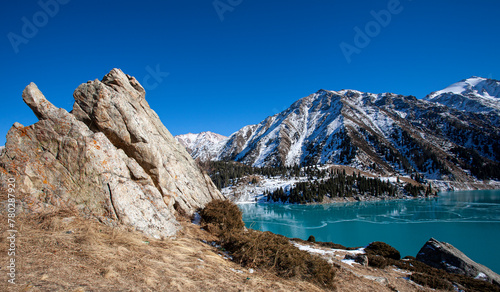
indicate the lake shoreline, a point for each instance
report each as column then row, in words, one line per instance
column 245, row 192
column 465, row 219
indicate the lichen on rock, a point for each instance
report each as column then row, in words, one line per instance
column 111, row 158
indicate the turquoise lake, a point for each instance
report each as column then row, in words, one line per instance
column 469, row 220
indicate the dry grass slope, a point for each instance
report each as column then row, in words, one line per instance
column 64, row 252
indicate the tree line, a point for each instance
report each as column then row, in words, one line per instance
column 338, row 185
column 224, row 173
column 321, row 182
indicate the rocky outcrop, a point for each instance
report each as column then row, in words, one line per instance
column 116, row 107
column 111, row 158
column 445, row 256
column 361, row 259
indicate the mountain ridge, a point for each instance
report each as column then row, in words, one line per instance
column 201, row 144
column 385, row 133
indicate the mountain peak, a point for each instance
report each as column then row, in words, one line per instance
column 479, row 86
column 189, row 138
column 474, row 94
column 201, row 143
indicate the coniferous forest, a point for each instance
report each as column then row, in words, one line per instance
column 337, row 185
column 321, row 183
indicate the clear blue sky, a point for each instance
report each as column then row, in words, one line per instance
column 238, row 66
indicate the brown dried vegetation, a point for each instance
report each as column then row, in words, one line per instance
column 62, row 251
column 382, row 255
column 264, row 250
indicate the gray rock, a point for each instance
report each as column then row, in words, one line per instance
column 117, row 107
column 445, row 256
column 361, row 259
column 116, row 163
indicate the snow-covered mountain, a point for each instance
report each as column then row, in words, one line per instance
column 203, row 145
column 475, row 94
column 386, row 133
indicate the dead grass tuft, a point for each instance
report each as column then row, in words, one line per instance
column 54, row 221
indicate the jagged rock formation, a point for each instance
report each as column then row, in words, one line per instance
column 111, row 158
column 386, row 134
column 445, row 256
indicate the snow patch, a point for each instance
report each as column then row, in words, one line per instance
column 327, row 251
column 481, row 276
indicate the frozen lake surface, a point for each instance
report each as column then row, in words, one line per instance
column 469, row 220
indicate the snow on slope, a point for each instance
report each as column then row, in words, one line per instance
column 204, row 145
column 385, row 133
column 187, row 140
column 314, row 129
column 252, row 193
column 475, row 94
column 283, row 138
column 484, row 87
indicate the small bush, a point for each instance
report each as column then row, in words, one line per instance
column 435, row 278
column 431, row 281
column 383, row 249
column 311, row 238
column 473, row 285
column 221, row 216
column 377, row 261
column 264, row 250
column 319, row 271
